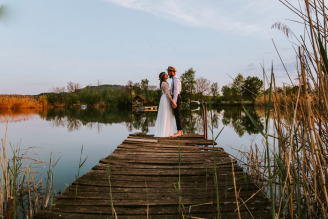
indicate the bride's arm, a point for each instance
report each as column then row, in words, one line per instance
column 166, row 91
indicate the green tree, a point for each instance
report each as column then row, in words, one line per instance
column 252, row 88
column 188, row 82
column 71, row 98
column 137, row 88
column 202, row 87
column 52, row 98
column 104, row 94
column 226, row 92
column 129, row 87
column 214, row 89
column 60, row 91
column 238, row 87
column 84, row 95
column 144, row 87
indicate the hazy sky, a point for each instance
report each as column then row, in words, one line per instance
column 48, row 43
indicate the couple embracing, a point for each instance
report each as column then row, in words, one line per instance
column 171, row 98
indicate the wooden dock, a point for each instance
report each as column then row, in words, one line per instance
column 144, row 172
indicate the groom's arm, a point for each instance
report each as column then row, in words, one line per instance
column 175, row 89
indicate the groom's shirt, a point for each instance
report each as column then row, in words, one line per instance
column 175, row 88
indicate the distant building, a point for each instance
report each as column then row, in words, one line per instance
column 137, row 101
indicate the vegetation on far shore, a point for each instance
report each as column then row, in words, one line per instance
column 22, row 101
column 241, row 91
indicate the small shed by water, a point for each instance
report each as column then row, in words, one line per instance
column 138, row 101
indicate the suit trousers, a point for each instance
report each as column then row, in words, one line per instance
column 177, row 114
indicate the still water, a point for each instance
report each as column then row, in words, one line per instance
column 62, row 132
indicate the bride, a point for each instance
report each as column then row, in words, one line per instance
column 165, row 119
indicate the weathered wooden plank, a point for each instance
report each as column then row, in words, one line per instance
column 156, row 210
column 61, row 215
column 186, row 135
column 159, row 145
column 154, row 184
column 167, row 190
column 161, row 152
column 162, row 202
column 165, row 172
column 204, row 165
column 153, row 196
column 170, row 158
column 141, row 140
column 169, row 141
column 45, row 214
column 123, row 158
column 197, row 142
column 208, row 174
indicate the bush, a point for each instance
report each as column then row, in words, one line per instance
column 71, row 98
column 216, row 100
column 52, row 98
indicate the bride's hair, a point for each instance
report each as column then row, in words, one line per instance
column 161, row 79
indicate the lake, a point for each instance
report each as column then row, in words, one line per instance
column 100, row 131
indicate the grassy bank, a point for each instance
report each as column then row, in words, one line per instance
column 22, row 102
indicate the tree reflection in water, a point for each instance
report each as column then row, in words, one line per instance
column 237, row 118
column 74, row 118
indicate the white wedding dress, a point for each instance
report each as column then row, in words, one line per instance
column 165, row 122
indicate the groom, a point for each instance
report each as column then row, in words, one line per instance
column 175, row 92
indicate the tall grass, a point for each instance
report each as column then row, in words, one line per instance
column 110, row 187
column 21, row 192
column 78, row 172
column 22, row 102
column 294, row 168
column 182, row 210
column 214, row 164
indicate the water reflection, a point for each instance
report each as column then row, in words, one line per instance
column 10, row 115
column 241, row 123
column 75, row 118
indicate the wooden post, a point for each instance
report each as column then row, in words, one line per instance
column 205, row 120
column 206, row 137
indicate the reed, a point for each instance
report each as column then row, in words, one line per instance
column 182, row 210
column 110, row 187
column 21, row 193
column 297, row 150
column 214, row 164
column 22, row 102
column 179, row 182
column 78, row 172
column 50, row 192
column 147, row 201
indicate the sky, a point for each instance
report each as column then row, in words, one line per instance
column 45, row 44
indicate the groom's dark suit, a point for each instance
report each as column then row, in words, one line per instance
column 176, row 89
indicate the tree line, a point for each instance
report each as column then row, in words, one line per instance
column 201, row 88
column 240, row 89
